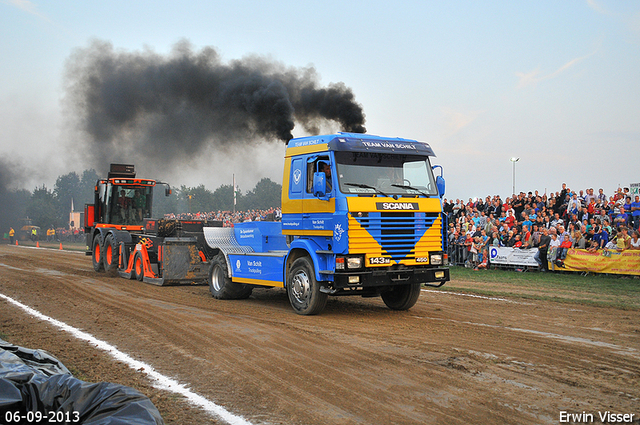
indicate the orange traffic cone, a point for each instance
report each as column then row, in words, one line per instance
column 60, row 246
column 37, row 244
column 16, row 242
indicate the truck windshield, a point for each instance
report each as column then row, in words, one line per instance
column 382, row 173
column 129, row 204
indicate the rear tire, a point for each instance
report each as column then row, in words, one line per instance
column 97, row 253
column 221, row 286
column 138, row 267
column 402, row 297
column 110, row 255
column 303, row 289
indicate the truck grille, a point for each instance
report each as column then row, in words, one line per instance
column 397, row 233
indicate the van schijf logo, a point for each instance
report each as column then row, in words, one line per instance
column 337, row 232
column 397, row 205
column 296, row 175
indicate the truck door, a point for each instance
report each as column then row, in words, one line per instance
column 317, row 214
column 293, row 196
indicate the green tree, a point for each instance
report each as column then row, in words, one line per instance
column 198, row 199
column 66, row 189
column 42, row 209
column 223, row 198
column 266, row 194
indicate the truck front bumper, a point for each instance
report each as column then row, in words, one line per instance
column 371, row 278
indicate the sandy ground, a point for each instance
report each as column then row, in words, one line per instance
column 450, row 359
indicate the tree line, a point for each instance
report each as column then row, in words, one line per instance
column 51, row 207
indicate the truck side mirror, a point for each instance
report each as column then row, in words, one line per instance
column 167, row 190
column 319, row 185
column 440, row 185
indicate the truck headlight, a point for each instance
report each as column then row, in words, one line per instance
column 354, row 262
column 339, row 263
column 436, row 259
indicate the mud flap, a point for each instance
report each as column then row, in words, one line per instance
column 181, row 264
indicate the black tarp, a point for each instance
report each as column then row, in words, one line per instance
column 34, row 381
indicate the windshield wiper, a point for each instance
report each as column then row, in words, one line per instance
column 366, row 186
column 402, row 186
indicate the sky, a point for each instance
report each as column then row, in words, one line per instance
column 555, row 84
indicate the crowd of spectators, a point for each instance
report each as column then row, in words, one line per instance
column 551, row 223
column 229, row 218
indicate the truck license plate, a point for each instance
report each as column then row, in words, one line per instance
column 379, row 260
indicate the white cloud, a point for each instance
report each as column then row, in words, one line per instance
column 27, row 6
column 454, row 120
column 533, row 77
column 595, row 5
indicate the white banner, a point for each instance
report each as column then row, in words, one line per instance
column 512, row 256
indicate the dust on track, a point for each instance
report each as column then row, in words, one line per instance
column 450, row 359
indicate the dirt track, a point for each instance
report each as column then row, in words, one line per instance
column 451, row 359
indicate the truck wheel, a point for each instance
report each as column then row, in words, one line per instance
column 138, row 266
column 402, row 297
column 97, row 253
column 110, row 256
column 303, row 289
column 221, row 286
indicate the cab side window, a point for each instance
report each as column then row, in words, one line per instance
column 314, row 167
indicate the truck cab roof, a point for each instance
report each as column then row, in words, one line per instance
column 359, row 143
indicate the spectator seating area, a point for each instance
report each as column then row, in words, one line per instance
column 552, row 223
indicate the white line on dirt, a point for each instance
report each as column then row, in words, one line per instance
column 471, row 295
column 160, row 381
column 618, row 349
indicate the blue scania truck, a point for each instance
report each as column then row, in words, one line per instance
column 361, row 215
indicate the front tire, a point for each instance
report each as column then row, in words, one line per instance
column 402, row 297
column 221, row 286
column 97, row 253
column 303, row 289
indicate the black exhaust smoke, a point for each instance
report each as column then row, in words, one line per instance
column 145, row 105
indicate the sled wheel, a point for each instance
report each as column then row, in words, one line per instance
column 138, row 267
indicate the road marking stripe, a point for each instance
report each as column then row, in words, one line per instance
column 160, row 381
column 472, row 295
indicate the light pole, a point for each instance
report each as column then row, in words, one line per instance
column 514, row 160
